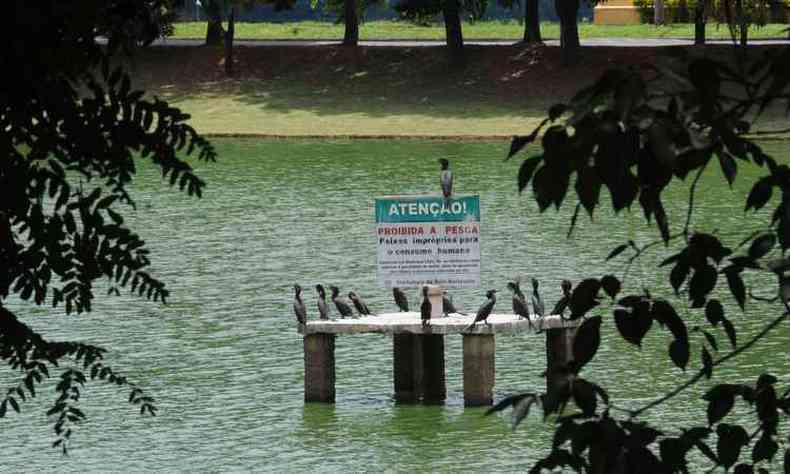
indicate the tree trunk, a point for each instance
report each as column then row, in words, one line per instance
column 229, row 41
column 658, row 12
column 351, row 20
column 452, row 28
column 740, row 18
column 568, row 11
column 532, row 22
column 699, row 22
column 214, row 28
column 778, row 12
column 682, row 13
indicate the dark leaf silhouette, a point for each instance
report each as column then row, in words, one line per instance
column 526, row 170
column 584, row 297
column 611, row 285
column 679, row 352
column 762, row 245
column 732, row 439
column 585, row 345
column 707, row 363
column 730, row 330
column 617, row 251
column 714, row 312
column 737, row 288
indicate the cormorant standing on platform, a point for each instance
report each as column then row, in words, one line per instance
column 400, row 299
column 323, row 311
column 362, row 308
column 425, row 308
column 341, row 303
column 520, row 306
column 299, row 309
column 565, row 301
column 537, row 301
column 446, row 179
column 448, row 307
column 485, row 310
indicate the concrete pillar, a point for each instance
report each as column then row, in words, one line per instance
column 434, row 386
column 436, row 297
column 407, row 361
column 479, row 370
column 559, row 351
column 319, row 368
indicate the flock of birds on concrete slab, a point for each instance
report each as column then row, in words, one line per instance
column 520, row 306
column 346, row 307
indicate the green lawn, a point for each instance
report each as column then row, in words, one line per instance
column 478, row 30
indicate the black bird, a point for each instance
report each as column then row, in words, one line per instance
column 446, row 179
column 537, row 301
column 341, row 303
column 425, row 308
column 563, row 303
column 448, row 307
column 485, row 309
column 323, row 311
column 362, row 308
column 299, row 309
column 400, row 299
column 520, row 306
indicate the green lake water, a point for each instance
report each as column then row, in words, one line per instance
column 225, row 362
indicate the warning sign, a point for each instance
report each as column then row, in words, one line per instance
column 427, row 240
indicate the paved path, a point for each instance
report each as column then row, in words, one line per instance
column 616, row 42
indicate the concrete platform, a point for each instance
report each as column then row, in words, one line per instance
column 410, row 323
column 418, row 352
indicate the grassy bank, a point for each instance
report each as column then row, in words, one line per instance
column 332, row 90
column 477, row 30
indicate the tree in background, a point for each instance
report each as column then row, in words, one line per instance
column 425, row 11
column 568, row 11
column 349, row 12
column 531, row 18
column 71, row 127
column 633, row 135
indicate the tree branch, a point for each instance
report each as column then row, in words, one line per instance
column 716, row 363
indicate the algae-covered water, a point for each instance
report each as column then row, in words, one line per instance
column 225, row 362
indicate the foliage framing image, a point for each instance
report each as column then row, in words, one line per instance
column 71, row 129
column 633, row 134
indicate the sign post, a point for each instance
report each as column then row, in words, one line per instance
column 425, row 240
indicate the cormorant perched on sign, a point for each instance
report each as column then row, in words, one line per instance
column 537, row 301
column 341, row 303
column 448, row 307
column 520, row 306
column 446, row 179
column 565, row 301
column 362, row 308
column 485, row 310
column 299, row 309
column 400, row 299
column 323, row 311
column 425, row 308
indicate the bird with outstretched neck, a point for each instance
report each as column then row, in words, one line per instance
column 341, row 303
column 537, row 301
column 299, row 309
column 362, row 308
column 446, row 180
column 400, row 299
column 448, row 307
column 485, row 310
column 425, row 308
column 323, row 310
column 520, row 306
column 565, row 301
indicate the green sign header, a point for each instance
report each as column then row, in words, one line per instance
column 404, row 209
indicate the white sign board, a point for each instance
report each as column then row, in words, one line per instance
column 423, row 240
